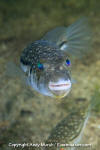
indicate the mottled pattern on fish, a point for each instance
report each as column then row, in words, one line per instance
column 39, row 51
column 54, row 75
column 69, row 130
column 46, row 61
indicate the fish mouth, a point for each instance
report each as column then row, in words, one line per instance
column 60, row 89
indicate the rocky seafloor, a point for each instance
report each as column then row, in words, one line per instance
column 26, row 116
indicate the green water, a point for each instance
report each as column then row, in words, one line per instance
column 26, row 116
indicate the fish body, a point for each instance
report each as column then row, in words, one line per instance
column 52, row 77
column 46, row 61
column 70, row 129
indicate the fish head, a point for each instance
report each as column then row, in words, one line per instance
column 53, row 75
column 59, row 83
column 50, row 69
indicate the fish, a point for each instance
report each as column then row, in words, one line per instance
column 69, row 130
column 46, row 63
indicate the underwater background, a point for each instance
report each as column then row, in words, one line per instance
column 29, row 117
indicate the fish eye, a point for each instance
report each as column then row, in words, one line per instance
column 68, row 63
column 40, row 66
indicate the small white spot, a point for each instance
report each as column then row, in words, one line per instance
column 64, row 46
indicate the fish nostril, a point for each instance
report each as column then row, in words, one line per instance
column 61, row 68
column 52, row 68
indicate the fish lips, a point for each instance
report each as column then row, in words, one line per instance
column 61, row 88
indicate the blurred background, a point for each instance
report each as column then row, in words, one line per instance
column 26, row 116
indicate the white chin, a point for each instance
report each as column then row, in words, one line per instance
column 61, row 93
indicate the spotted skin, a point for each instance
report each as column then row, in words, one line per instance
column 70, row 129
column 39, row 50
column 51, row 52
column 54, row 67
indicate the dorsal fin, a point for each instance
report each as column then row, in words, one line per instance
column 75, row 40
column 56, row 35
